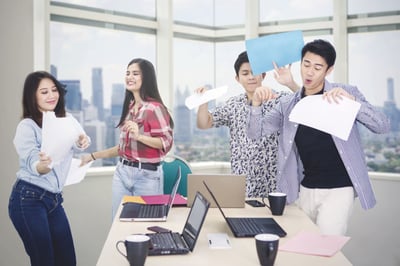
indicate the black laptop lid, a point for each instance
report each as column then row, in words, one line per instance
column 195, row 220
column 215, row 199
column 264, row 224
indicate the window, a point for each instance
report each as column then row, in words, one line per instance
column 92, row 62
column 142, row 7
column 360, row 6
column 294, row 9
column 89, row 53
column 193, row 67
column 374, row 68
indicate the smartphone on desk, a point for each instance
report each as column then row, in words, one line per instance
column 255, row 203
column 158, row 229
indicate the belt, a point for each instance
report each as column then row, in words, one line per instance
column 147, row 166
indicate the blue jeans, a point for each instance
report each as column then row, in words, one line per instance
column 134, row 181
column 42, row 224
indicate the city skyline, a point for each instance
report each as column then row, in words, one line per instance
column 372, row 56
column 189, row 141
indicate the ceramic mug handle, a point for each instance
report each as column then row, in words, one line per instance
column 117, row 246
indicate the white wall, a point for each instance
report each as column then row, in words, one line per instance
column 16, row 53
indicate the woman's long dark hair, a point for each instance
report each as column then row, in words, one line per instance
column 30, row 108
column 148, row 90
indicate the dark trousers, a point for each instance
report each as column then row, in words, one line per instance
column 42, row 224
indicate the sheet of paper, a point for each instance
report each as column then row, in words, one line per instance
column 76, row 173
column 334, row 118
column 281, row 48
column 58, row 136
column 313, row 243
column 198, row 99
column 218, row 241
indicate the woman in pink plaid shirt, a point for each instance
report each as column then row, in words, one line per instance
column 145, row 137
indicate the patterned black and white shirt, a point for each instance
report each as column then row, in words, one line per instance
column 255, row 158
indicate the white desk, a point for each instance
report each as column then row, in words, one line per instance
column 243, row 251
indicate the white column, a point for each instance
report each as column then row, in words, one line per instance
column 252, row 19
column 340, row 40
column 165, row 52
column 41, row 39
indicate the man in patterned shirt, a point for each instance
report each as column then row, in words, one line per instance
column 255, row 158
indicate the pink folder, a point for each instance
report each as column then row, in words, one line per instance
column 156, row 199
column 163, row 199
column 313, row 243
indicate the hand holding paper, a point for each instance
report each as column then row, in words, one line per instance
column 282, row 48
column 76, row 172
column 333, row 118
column 58, row 136
column 198, row 99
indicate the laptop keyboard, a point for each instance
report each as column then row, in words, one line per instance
column 245, row 225
column 167, row 240
column 149, row 211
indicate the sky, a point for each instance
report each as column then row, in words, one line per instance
column 75, row 50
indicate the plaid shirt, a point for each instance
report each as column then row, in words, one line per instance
column 153, row 121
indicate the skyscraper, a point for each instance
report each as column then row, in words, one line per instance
column 390, row 108
column 97, row 91
column 53, row 70
column 73, row 98
column 182, row 118
column 117, row 99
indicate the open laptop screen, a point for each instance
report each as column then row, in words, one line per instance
column 195, row 220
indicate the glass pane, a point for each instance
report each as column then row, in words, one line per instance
column 194, row 11
column 360, row 6
column 225, row 57
column 193, row 67
column 271, row 10
column 92, row 63
column 374, row 69
column 142, row 7
column 229, row 12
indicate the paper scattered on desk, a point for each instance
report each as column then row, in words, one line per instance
column 333, row 118
column 313, row 243
column 199, row 98
column 76, row 172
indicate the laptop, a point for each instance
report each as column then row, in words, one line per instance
column 138, row 212
column 221, row 184
column 168, row 243
column 249, row 226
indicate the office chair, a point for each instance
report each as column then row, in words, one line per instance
column 170, row 168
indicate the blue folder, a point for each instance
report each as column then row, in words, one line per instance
column 281, row 48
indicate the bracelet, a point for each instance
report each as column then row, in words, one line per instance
column 94, row 158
